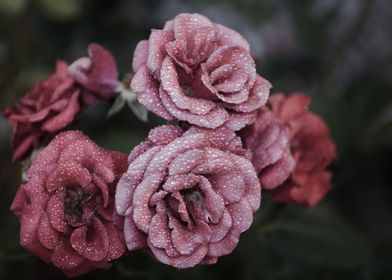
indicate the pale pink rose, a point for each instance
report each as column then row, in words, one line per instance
column 198, row 71
column 187, row 195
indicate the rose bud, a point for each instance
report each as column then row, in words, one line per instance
column 66, row 206
column 300, row 146
column 97, row 74
column 198, row 71
column 187, row 195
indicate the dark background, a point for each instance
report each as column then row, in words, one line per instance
column 339, row 52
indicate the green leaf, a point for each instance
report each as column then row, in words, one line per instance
column 318, row 236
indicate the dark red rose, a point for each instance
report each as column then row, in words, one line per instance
column 200, row 72
column 188, row 195
column 287, row 139
column 66, row 206
column 50, row 106
column 312, row 148
column 53, row 104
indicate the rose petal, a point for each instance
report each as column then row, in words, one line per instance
column 56, row 211
column 162, row 159
column 274, row 175
column 98, row 72
column 140, row 55
column 157, row 50
column 142, row 214
column 185, row 162
column 180, row 261
column 64, row 257
column 47, row 235
column 91, row 243
column 258, row 97
column 134, row 238
column 159, row 234
column 116, row 242
column 187, row 242
column 212, row 119
column 147, row 92
column 164, row 134
column 213, row 201
column 68, row 174
column 170, row 83
column 229, row 37
column 180, row 182
column 130, row 179
column 240, row 120
column 221, row 229
column 19, row 202
column 65, row 117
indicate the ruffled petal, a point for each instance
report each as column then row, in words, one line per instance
column 147, row 92
column 65, row 257
column 140, row 55
column 134, row 175
column 47, row 235
column 182, row 261
column 212, row 119
column 134, row 238
column 65, row 117
column 91, row 242
column 157, row 50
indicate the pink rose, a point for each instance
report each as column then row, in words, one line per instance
column 187, row 195
column 66, row 206
column 97, row 74
column 312, row 148
column 268, row 139
column 50, row 106
column 200, row 72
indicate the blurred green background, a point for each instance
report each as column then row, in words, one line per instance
column 337, row 51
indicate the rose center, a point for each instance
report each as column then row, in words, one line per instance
column 74, row 200
column 194, row 200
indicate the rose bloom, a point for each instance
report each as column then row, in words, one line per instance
column 50, row 106
column 200, row 72
column 66, row 206
column 294, row 147
column 53, row 104
column 187, row 195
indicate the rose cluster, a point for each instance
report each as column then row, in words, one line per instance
column 186, row 193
